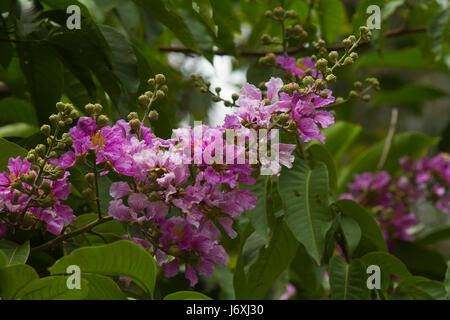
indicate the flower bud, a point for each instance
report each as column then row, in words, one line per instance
column 28, row 220
column 320, row 84
column 160, row 79
column 307, row 81
column 331, row 78
column 268, row 14
column 354, row 55
column 68, row 121
column 90, row 178
column 74, row 114
column 29, row 178
column 61, row 124
column 132, row 115
column 54, row 154
column 89, row 109
column 54, row 119
column 216, row 99
column 98, row 108
column 366, row 97
column 46, row 187
column 279, row 12
column 60, row 106
column 41, row 149
column 321, row 64
column 88, row 194
column 160, row 94
column 339, row 100
column 291, row 14
column 333, row 55
column 143, row 100
column 234, row 96
column 151, row 83
column 353, row 94
column 348, row 61
column 346, row 43
column 153, row 115
column 135, row 124
column 46, row 130
column 165, row 88
column 154, row 196
column 31, row 157
column 352, row 39
column 357, row 84
column 265, row 38
column 218, row 89
column 102, row 121
column 323, row 95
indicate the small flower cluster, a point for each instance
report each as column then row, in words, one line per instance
column 392, row 198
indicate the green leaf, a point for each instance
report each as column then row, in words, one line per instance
column 64, row 4
column 17, row 253
column 371, row 236
column 226, row 23
column 170, row 19
column 340, row 137
column 447, row 280
column 111, row 230
column 305, row 195
column 186, row 295
column 121, row 258
column 420, row 288
column 319, row 153
column 331, row 16
column 348, row 282
column 407, row 95
column 6, row 50
column 437, row 29
column 45, row 77
column 9, row 150
column 16, row 110
column 20, row 130
column 408, row 58
column 102, row 288
column 435, row 236
column 15, row 277
column 271, row 261
column 352, row 232
column 52, row 288
column 420, row 260
column 3, row 259
column 403, row 144
column 204, row 11
column 124, row 66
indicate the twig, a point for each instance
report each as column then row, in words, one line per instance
column 258, row 53
column 72, row 234
column 389, row 137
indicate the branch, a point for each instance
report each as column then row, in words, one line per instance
column 72, row 234
column 258, row 53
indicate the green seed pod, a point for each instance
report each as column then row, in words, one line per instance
column 46, row 130
column 153, row 115
column 160, row 79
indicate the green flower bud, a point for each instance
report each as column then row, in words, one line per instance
column 74, row 114
column 308, row 80
column 60, row 106
column 234, row 96
column 88, row 194
column 53, row 154
column 265, row 38
column 89, row 109
column 227, row 103
column 165, row 88
column 218, row 89
column 154, row 196
column 353, row 94
column 339, row 100
column 135, row 124
column 143, row 100
column 321, row 64
column 151, row 83
column 28, row 220
column 357, row 84
column 90, row 178
column 331, row 78
column 268, row 14
column 46, row 187
column 324, row 95
column 160, row 94
column 291, row 14
column 216, row 99
column 352, row 39
column 41, row 149
column 333, row 55
column 31, row 157
column 98, row 108
column 346, row 43
column 279, row 12
column 153, row 115
column 68, row 121
column 132, row 115
column 29, row 178
column 320, row 84
column 102, row 120
column 366, row 97
column 61, row 124
column 46, row 130
column 160, row 79
column 354, row 55
column 348, row 61
column 54, row 119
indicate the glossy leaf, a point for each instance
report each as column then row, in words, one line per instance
column 16, row 253
column 15, row 277
column 348, row 281
column 52, row 288
column 186, row 295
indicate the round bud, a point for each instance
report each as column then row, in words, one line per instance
column 53, row 154
column 353, row 94
column 102, row 120
column 216, row 99
column 88, row 194
column 151, row 83
column 149, row 94
column 89, row 108
column 339, row 100
column 132, row 115
column 354, row 55
column 324, row 95
column 352, row 39
column 320, row 84
column 90, row 178
column 28, row 220
column 61, row 124
column 227, row 103
column 135, row 124
column 46, row 187
column 278, row 12
column 234, row 96
column 60, row 106
column 143, row 100
column 41, row 149
column 46, row 130
column 98, row 108
column 74, row 114
column 165, row 88
column 357, row 84
column 348, row 61
column 265, row 38
column 331, row 78
column 321, row 64
column 346, row 43
column 160, row 79
column 68, row 121
column 366, row 97
column 153, row 115
column 54, row 119
column 308, row 80
column 31, row 157
column 333, row 55
column 268, row 14
column 291, row 14
column 218, row 89
column 160, row 94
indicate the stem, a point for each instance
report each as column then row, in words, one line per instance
column 97, row 197
column 72, row 234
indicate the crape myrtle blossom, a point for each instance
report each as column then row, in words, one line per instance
column 392, row 198
column 290, row 64
column 41, row 204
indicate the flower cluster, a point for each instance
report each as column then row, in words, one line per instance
column 393, row 198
